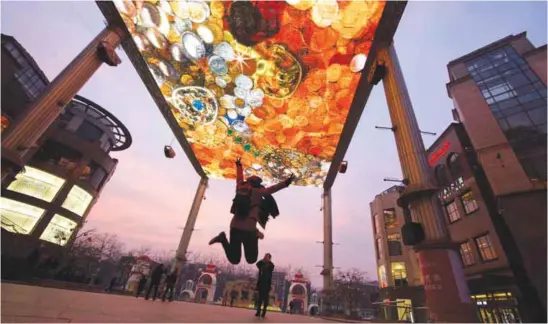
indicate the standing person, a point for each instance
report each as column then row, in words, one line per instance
column 155, row 278
column 233, row 295
column 111, row 285
column 264, row 283
column 141, row 285
column 246, row 210
column 170, row 285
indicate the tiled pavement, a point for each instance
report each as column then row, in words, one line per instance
column 28, row 304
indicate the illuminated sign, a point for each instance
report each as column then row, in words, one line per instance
column 437, row 154
column 270, row 81
column 451, row 189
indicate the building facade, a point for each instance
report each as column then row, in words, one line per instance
column 49, row 200
column 400, row 281
column 499, row 95
column 465, row 202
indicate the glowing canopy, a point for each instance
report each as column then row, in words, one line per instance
column 270, row 81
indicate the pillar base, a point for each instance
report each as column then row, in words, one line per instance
column 447, row 297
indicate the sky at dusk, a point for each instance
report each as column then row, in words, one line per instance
column 147, row 201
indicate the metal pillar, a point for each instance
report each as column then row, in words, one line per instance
column 327, row 241
column 180, row 255
column 447, row 295
column 37, row 118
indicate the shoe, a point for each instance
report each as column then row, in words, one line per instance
column 257, row 314
column 263, row 315
column 218, row 239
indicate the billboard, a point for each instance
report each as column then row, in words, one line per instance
column 271, row 82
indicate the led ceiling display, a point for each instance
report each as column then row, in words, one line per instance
column 270, row 81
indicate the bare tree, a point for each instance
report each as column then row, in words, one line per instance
column 349, row 294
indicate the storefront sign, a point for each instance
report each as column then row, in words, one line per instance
column 438, row 153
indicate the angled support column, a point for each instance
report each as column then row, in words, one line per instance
column 327, row 271
column 447, row 295
column 39, row 116
column 180, row 256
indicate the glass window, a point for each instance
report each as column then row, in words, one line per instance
column 520, row 120
column 399, row 274
column 503, row 124
column 18, row 217
column 89, row 131
column 77, row 200
column 37, row 183
column 466, row 254
column 452, row 212
column 508, row 104
column 383, row 281
column 539, row 103
column 517, row 80
column 31, row 82
column 98, row 176
column 394, row 244
column 59, row 230
column 469, row 203
column 390, row 220
column 485, row 247
column 538, row 116
column 528, row 97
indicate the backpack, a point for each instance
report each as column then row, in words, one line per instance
column 241, row 204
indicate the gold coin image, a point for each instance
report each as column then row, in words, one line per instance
column 334, row 72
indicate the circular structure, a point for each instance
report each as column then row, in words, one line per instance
column 120, row 132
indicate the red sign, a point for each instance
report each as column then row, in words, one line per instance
column 437, row 154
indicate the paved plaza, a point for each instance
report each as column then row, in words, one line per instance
column 22, row 303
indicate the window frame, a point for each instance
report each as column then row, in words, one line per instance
column 491, row 247
column 471, row 259
column 448, row 214
column 464, row 206
column 398, row 241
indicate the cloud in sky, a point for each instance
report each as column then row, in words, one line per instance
column 147, row 201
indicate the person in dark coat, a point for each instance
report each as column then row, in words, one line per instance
column 171, row 279
column 111, row 285
column 264, row 283
column 155, row 278
column 141, row 285
column 233, row 295
column 243, row 228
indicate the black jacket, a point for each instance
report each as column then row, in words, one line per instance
column 268, row 207
column 171, row 279
column 264, row 279
column 157, row 274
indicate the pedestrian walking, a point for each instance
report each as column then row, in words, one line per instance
column 155, row 278
column 141, row 285
column 171, row 279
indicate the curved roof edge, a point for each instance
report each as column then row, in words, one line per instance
column 120, row 131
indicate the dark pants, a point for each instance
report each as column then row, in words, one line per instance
column 170, row 289
column 140, row 288
column 233, row 249
column 262, row 301
column 153, row 284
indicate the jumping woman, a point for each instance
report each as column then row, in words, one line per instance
column 246, row 208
